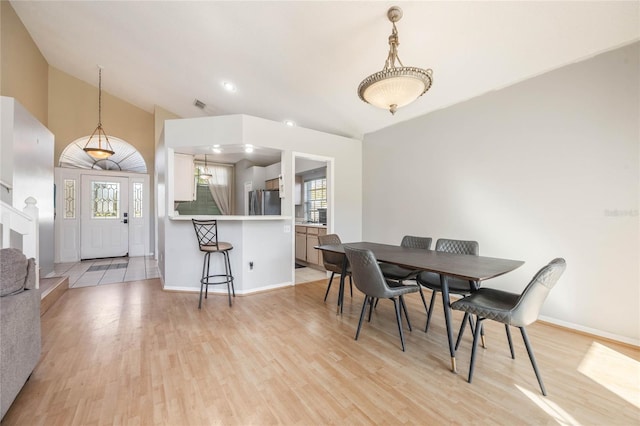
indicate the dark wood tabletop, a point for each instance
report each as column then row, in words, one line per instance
column 468, row 267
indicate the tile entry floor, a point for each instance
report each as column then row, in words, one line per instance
column 122, row 269
column 107, row 271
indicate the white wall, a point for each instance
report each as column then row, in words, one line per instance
column 548, row 167
column 27, row 165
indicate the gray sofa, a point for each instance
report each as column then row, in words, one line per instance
column 19, row 324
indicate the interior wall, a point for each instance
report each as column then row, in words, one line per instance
column 73, row 113
column 546, row 168
column 159, row 116
column 23, row 69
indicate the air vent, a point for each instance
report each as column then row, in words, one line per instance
column 199, row 104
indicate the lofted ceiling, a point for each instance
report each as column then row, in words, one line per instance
column 303, row 60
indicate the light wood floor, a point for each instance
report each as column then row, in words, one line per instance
column 131, row 353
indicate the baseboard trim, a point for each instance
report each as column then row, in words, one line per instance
column 616, row 338
column 222, row 290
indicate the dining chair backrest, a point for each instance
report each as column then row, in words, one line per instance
column 533, row 296
column 458, row 246
column 410, row 241
column 366, row 273
column 206, row 232
column 330, row 259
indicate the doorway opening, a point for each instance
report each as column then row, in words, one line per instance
column 313, row 210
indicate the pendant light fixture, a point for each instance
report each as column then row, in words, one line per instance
column 205, row 174
column 99, row 148
column 394, row 86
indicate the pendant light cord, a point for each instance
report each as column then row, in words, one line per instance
column 100, row 97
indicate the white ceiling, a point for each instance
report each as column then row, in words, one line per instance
column 303, row 60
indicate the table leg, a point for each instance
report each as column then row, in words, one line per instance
column 343, row 274
column 447, row 319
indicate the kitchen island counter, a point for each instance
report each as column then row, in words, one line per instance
column 261, row 259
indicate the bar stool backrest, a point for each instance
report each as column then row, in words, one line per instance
column 207, row 232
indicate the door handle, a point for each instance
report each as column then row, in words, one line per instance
column 125, row 221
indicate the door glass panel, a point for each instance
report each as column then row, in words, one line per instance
column 137, row 199
column 106, row 200
column 69, row 198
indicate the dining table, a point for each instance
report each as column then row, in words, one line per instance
column 467, row 267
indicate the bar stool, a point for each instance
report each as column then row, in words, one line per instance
column 207, row 233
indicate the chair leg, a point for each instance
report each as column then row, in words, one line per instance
column 350, row 286
column 364, row 307
column 431, row 304
column 204, row 263
column 399, row 320
column 508, row 330
column 424, row 302
column 329, row 286
column 371, row 306
column 227, row 273
column 206, row 289
column 406, row 314
column 463, row 325
column 233, row 288
column 533, row 360
column 476, row 334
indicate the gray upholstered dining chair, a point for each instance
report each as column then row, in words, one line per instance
column 369, row 280
column 400, row 274
column 333, row 261
column 431, row 280
column 511, row 309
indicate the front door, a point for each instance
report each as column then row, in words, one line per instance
column 104, row 229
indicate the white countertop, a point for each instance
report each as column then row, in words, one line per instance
column 311, row 225
column 227, row 217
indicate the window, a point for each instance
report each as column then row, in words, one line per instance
column 213, row 194
column 105, row 200
column 69, row 198
column 137, row 199
column 315, row 198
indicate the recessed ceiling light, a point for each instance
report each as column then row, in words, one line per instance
column 230, row 87
column 289, row 123
column 248, row 148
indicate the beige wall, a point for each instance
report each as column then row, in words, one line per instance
column 73, row 113
column 23, row 69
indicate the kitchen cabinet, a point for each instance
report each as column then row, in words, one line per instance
column 306, row 240
column 183, row 178
column 301, row 243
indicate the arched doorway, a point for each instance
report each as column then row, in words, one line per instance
column 102, row 207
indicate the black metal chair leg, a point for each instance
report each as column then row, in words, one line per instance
column 463, row 325
column 329, row 286
column 350, row 286
column 424, row 302
column 508, row 330
column 206, row 277
column 406, row 314
column 476, row 334
column 399, row 319
column 233, row 289
column 431, row 304
column 227, row 275
column 533, row 360
column 371, row 305
column 364, row 307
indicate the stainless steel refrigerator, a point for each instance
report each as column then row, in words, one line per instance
column 264, row 202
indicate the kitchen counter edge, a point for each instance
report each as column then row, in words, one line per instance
column 227, row 217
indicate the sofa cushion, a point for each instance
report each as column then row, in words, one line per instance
column 13, row 270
